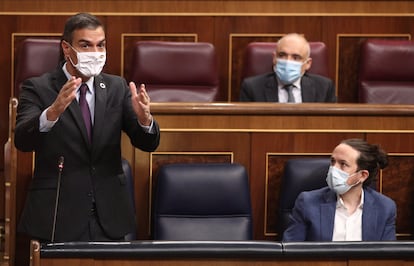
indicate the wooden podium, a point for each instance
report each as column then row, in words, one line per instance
column 261, row 136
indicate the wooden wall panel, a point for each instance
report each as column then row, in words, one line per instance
column 401, row 142
column 211, row 6
column 228, row 24
column 397, row 182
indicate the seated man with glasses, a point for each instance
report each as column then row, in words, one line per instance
column 290, row 81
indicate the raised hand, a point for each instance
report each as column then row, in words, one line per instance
column 66, row 95
column 141, row 103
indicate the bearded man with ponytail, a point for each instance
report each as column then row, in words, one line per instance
column 348, row 209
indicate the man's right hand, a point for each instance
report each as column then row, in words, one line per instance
column 66, row 95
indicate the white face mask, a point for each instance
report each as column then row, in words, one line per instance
column 89, row 63
column 336, row 179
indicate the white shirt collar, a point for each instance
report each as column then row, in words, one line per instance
column 89, row 82
column 340, row 202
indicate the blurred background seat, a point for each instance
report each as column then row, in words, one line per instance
column 35, row 57
column 301, row 174
column 258, row 58
column 176, row 71
column 208, row 201
column 386, row 72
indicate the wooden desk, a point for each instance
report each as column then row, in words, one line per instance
column 261, row 136
column 223, row 253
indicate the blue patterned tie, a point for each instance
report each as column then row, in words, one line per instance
column 85, row 110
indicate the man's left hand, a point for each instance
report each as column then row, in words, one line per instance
column 141, row 104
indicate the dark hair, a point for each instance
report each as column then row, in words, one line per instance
column 77, row 22
column 372, row 158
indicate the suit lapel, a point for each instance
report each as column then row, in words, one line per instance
column 308, row 89
column 59, row 80
column 369, row 217
column 271, row 90
column 100, row 107
column 327, row 216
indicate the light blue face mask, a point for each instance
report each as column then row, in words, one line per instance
column 288, row 71
column 336, row 179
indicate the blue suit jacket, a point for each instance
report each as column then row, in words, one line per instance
column 313, row 216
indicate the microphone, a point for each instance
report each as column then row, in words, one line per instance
column 60, row 167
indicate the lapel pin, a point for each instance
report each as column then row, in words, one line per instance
column 102, row 85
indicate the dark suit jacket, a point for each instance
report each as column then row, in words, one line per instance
column 263, row 88
column 90, row 170
column 313, row 216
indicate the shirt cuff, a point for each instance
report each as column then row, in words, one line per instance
column 44, row 124
column 148, row 129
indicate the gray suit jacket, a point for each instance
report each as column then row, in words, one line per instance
column 313, row 216
column 92, row 171
column 263, row 88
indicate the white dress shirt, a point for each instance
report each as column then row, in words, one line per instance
column 348, row 227
column 283, row 94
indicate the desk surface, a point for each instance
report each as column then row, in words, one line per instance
column 229, row 249
column 280, row 116
column 223, row 253
column 255, row 108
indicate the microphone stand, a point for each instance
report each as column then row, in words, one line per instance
column 60, row 167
